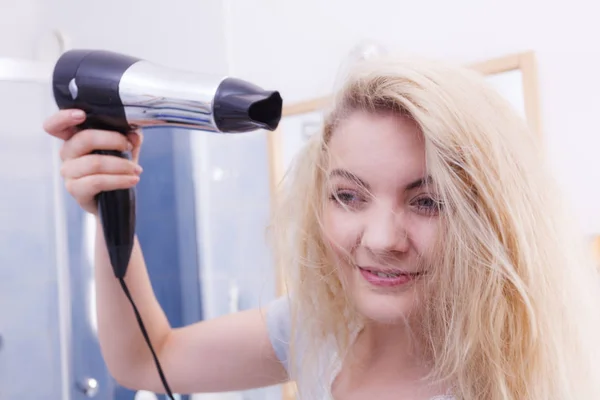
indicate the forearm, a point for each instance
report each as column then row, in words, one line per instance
column 121, row 340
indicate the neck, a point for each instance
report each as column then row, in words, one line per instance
column 388, row 357
column 388, row 348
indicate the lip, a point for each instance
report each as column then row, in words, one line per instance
column 397, row 277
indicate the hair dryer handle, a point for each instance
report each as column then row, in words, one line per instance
column 117, row 211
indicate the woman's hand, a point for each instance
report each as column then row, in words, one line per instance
column 88, row 174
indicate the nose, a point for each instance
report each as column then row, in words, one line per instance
column 385, row 230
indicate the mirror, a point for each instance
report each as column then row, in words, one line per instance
column 514, row 76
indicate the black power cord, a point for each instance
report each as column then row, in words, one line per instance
column 147, row 338
column 118, row 215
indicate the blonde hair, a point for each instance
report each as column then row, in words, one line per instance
column 512, row 308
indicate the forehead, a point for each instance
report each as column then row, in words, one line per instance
column 382, row 148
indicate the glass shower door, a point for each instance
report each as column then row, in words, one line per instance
column 48, row 345
column 33, row 322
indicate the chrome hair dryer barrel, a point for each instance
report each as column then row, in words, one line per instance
column 122, row 93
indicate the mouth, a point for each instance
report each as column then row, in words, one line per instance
column 387, row 277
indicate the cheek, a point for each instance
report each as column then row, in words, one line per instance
column 341, row 230
column 424, row 234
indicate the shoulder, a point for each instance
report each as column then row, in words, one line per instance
column 285, row 334
column 314, row 362
column 278, row 317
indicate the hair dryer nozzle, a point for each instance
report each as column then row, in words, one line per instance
column 240, row 106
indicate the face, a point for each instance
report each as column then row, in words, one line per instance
column 381, row 214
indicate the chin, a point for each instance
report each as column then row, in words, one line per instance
column 383, row 304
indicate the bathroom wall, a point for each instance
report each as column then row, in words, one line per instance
column 303, row 43
column 21, row 23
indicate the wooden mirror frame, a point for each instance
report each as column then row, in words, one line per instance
column 525, row 62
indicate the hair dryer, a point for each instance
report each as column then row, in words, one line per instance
column 123, row 93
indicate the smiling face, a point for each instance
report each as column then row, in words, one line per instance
column 381, row 214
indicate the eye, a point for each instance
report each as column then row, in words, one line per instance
column 427, row 205
column 347, row 199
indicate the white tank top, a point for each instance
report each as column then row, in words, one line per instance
column 317, row 385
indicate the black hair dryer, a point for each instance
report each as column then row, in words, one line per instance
column 123, row 93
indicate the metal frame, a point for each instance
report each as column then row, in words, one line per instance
column 31, row 70
column 27, row 71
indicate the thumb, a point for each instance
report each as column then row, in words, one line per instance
column 136, row 139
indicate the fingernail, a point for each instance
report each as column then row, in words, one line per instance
column 138, row 169
column 77, row 114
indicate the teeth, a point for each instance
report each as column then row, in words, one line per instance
column 386, row 275
column 382, row 274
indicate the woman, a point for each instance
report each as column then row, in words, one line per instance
column 427, row 253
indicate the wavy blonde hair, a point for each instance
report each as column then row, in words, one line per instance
column 512, row 307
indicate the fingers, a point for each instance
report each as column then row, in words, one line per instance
column 88, row 174
column 89, row 140
column 63, row 123
column 86, row 188
column 94, row 164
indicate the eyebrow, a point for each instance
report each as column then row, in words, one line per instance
column 419, row 183
column 342, row 173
